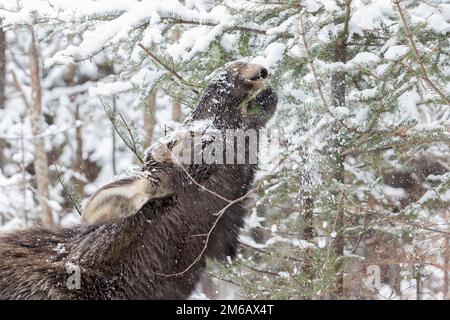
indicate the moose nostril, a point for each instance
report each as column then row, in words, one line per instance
column 264, row 73
column 260, row 74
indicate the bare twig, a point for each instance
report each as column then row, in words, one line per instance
column 200, row 185
column 219, row 216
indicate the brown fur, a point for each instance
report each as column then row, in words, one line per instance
column 126, row 259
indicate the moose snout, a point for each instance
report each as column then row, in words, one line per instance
column 260, row 73
column 254, row 72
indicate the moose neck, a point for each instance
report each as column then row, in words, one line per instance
column 165, row 252
column 174, row 264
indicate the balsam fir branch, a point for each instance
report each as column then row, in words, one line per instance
column 126, row 133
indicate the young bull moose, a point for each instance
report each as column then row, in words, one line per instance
column 140, row 236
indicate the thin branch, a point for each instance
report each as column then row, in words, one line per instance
column 413, row 46
column 311, row 64
column 208, row 235
column 43, row 135
column 169, row 69
column 132, row 147
column 232, row 28
column 67, row 191
column 267, row 253
column 200, row 185
column 133, row 141
column 17, row 64
column 316, row 77
column 222, row 279
column 19, row 89
column 345, row 32
column 259, row 270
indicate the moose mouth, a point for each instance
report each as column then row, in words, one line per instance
column 261, row 98
column 261, row 103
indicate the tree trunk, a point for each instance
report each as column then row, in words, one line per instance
column 338, row 94
column 37, row 124
column 446, row 261
column 79, row 161
column 78, row 165
column 446, row 267
column 149, row 117
column 418, row 274
column 2, row 87
column 339, row 241
column 114, row 138
column 176, row 105
column 176, row 111
column 2, row 67
column 24, row 176
column 308, row 235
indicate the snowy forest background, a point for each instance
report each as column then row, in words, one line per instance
column 359, row 207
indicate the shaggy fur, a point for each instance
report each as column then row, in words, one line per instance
column 131, row 258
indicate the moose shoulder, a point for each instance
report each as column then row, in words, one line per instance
column 141, row 235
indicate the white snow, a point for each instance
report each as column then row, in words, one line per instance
column 396, row 52
column 364, row 58
column 368, row 16
column 60, row 248
column 272, row 55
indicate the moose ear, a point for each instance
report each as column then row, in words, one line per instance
column 116, row 200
